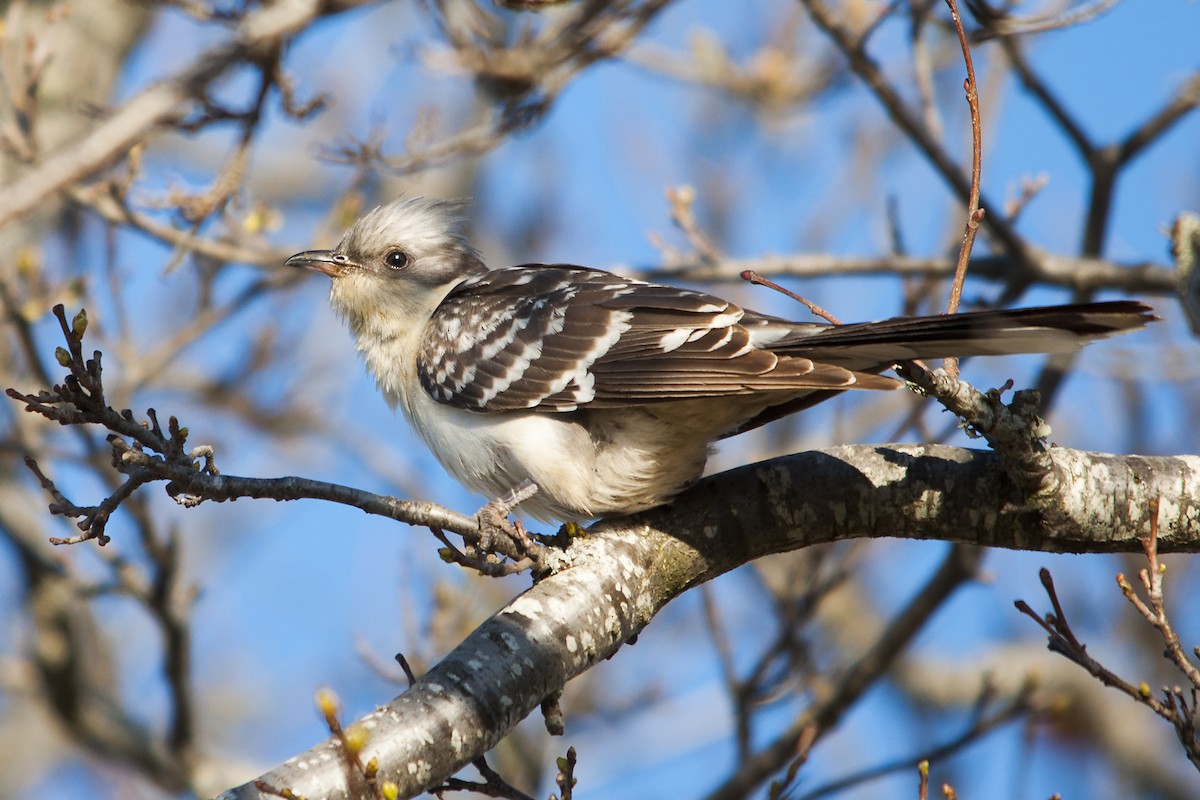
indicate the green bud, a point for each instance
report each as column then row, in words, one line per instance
column 62, row 356
column 79, row 324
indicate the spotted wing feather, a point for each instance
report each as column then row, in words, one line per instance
column 560, row 337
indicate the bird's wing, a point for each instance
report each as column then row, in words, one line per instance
column 557, row 338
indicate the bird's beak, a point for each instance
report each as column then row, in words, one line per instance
column 329, row 262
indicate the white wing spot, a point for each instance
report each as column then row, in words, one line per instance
column 585, row 390
column 529, row 353
column 673, row 340
column 618, row 323
column 727, row 319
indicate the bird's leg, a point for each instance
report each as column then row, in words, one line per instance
column 493, row 519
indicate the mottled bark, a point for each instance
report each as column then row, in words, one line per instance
column 611, row 582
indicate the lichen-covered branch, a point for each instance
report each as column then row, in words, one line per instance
column 610, row 583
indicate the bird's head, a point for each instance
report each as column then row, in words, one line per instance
column 400, row 259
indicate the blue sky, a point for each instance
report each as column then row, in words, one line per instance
column 291, row 592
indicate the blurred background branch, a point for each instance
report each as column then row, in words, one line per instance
column 158, row 159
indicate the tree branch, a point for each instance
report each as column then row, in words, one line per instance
column 159, row 103
column 868, row 70
column 1067, row 272
column 609, row 584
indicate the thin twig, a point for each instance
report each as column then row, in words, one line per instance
column 1064, row 272
column 1153, row 609
column 683, row 214
column 975, row 214
column 162, row 101
column 144, row 453
column 793, row 746
column 1176, row 705
column 981, row 726
column 908, row 121
column 759, row 280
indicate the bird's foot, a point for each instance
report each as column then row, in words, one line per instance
column 496, row 533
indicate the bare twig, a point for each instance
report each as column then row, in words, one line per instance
column 975, row 214
column 1182, row 103
column 493, row 785
column 980, row 726
column 909, row 121
column 1053, row 106
column 144, row 453
column 162, row 101
column 794, row 745
column 919, row 12
column 408, row 671
column 753, row 277
column 1029, row 190
column 997, row 22
column 683, row 214
column 1153, row 609
column 1177, row 705
column 776, row 79
column 522, row 76
column 1068, row 272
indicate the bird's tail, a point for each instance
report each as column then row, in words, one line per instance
column 871, row 347
column 1046, row 329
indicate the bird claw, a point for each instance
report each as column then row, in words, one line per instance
column 494, row 526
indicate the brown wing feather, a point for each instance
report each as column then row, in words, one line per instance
column 585, row 337
column 558, row 337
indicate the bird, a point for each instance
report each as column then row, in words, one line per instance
column 606, row 394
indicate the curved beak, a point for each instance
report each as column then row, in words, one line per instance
column 329, row 262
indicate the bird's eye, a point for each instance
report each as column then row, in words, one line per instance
column 396, row 259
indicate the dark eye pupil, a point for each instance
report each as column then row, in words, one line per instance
column 396, row 259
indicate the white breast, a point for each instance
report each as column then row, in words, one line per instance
column 586, row 463
column 493, row 453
